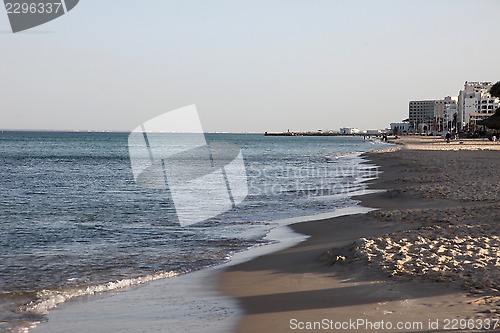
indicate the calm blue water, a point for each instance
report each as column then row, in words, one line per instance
column 73, row 219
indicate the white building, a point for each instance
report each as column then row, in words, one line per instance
column 374, row 132
column 349, row 130
column 450, row 114
column 487, row 106
column 400, row 128
column 475, row 103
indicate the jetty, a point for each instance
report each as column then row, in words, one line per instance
column 318, row 133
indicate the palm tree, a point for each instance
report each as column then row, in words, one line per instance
column 493, row 122
column 455, row 122
column 495, row 90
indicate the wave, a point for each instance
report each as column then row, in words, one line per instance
column 50, row 299
column 333, row 157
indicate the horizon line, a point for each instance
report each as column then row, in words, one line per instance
column 112, row 131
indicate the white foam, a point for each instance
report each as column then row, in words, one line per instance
column 50, row 299
column 345, row 155
column 279, row 238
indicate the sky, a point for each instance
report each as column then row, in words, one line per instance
column 249, row 66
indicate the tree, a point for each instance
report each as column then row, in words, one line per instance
column 495, row 90
column 455, row 121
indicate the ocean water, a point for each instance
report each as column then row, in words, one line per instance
column 74, row 222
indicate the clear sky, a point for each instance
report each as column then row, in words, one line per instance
column 249, row 66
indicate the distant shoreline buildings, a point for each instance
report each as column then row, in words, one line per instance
column 453, row 114
column 456, row 114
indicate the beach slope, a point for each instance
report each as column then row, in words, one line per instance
column 334, row 278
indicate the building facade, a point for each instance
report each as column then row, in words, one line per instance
column 349, row 130
column 475, row 104
column 453, row 114
column 486, row 107
column 421, row 114
column 400, row 128
column 450, row 114
column 427, row 115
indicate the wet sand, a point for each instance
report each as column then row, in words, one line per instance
column 329, row 276
column 185, row 303
column 330, row 279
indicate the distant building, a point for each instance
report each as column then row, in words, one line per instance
column 450, row 114
column 423, row 114
column 374, row 132
column 400, row 128
column 487, row 107
column 475, row 103
column 462, row 113
column 349, row 130
column 431, row 115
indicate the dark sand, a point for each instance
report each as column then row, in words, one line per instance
column 297, row 286
column 425, row 188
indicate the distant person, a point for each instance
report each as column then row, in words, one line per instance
column 448, row 137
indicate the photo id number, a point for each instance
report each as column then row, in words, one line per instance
column 33, row 8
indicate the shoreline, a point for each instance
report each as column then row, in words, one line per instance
column 153, row 306
column 110, row 308
column 309, row 282
column 294, row 280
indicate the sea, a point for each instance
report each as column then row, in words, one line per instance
column 75, row 222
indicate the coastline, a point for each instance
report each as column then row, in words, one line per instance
column 61, row 319
column 160, row 306
column 309, row 282
column 264, row 288
column 124, row 309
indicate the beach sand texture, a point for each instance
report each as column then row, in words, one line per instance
column 428, row 257
column 429, row 254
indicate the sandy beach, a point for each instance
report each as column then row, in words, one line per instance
column 425, row 261
column 428, row 258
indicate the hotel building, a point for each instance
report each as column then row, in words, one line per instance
column 427, row 115
column 475, row 103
